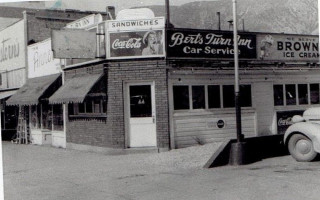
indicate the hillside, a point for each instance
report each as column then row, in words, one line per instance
column 289, row 16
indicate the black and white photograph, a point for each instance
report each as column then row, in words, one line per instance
column 159, row 100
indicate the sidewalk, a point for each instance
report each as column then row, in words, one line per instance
column 37, row 172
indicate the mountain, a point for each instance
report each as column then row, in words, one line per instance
column 288, row 16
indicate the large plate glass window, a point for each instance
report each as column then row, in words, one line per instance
column 181, row 97
column 314, row 93
column 198, row 97
column 291, row 97
column 214, row 96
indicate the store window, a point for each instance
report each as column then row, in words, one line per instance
column 296, row 94
column 278, row 95
column 181, row 97
column 198, row 97
column 229, row 99
column 57, row 117
column 291, row 97
column 228, row 96
column 94, row 107
column 303, row 94
column 46, row 116
column 214, row 96
column 35, row 117
column 245, row 96
column 314, row 93
column 198, row 92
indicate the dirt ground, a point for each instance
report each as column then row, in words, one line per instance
column 39, row 172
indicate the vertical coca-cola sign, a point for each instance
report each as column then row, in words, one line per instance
column 141, row 38
column 284, row 119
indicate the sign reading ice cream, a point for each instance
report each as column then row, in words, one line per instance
column 140, row 38
column 288, row 47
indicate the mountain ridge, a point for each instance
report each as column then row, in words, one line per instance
column 286, row 16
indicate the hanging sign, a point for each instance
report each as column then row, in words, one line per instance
column 141, row 38
column 85, row 22
column 208, row 44
column 281, row 47
column 73, row 43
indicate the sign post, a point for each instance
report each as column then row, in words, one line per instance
column 237, row 152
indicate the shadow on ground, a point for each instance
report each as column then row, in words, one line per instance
column 254, row 150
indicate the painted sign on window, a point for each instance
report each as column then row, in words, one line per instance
column 284, row 119
column 135, row 38
column 41, row 61
column 288, row 47
column 208, row 44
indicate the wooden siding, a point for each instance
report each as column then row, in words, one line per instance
column 188, row 128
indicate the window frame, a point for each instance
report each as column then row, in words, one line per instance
column 102, row 105
column 207, row 96
column 297, row 103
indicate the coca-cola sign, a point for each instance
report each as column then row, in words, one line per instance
column 137, row 44
column 284, row 119
column 209, row 44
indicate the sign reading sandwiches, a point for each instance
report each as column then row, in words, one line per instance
column 141, row 38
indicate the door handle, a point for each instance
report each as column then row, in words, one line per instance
column 153, row 119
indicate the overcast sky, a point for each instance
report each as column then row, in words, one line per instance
column 100, row 5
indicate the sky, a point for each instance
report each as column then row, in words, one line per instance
column 100, row 5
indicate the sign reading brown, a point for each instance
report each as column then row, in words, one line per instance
column 288, row 47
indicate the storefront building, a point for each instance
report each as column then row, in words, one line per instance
column 21, row 61
column 177, row 91
column 134, row 84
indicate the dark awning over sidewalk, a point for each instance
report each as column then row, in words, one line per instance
column 6, row 94
column 33, row 90
column 75, row 90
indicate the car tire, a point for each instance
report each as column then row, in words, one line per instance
column 301, row 148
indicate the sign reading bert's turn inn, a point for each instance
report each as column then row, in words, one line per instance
column 209, row 44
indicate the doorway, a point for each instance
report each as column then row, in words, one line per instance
column 141, row 115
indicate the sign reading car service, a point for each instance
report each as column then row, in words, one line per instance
column 209, row 44
column 288, row 47
column 140, row 38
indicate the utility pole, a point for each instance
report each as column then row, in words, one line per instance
column 237, row 151
column 167, row 13
column 219, row 21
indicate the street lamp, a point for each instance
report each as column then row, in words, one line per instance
column 237, row 151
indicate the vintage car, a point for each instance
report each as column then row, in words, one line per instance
column 303, row 137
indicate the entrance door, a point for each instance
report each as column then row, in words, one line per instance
column 142, row 122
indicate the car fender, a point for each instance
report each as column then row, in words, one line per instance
column 310, row 130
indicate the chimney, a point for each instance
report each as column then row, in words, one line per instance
column 111, row 12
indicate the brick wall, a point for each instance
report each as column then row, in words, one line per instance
column 121, row 72
column 88, row 131
column 111, row 133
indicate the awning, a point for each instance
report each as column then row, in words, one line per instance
column 6, row 94
column 75, row 89
column 33, row 90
